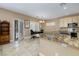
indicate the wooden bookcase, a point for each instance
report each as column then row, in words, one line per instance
column 4, row 32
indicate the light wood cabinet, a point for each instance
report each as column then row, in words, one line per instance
column 74, row 20
column 69, row 20
column 78, row 21
column 61, row 23
column 64, row 22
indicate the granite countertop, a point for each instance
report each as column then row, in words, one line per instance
column 72, row 42
column 67, row 39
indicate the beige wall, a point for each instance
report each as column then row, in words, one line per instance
column 10, row 17
column 50, row 28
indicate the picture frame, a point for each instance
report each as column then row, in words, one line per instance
column 26, row 23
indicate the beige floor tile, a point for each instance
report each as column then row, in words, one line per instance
column 23, row 48
column 51, row 48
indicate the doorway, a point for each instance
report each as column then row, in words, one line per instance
column 18, row 29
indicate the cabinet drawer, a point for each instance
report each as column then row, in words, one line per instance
column 4, row 38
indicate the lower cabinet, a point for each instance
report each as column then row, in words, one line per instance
column 4, row 39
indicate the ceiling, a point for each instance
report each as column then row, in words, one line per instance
column 43, row 10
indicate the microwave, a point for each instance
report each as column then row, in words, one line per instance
column 72, row 25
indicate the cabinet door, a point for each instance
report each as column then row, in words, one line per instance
column 0, row 27
column 75, row 19
column 69, row 20
column 0, row 31
column 65, row 22
column 61, row 23
column 78, row 21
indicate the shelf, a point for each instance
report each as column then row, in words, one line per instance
column 4, row 32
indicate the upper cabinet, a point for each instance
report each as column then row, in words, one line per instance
column 75, row 19
column 61, row 22
column 78, row 21
column 64, row 21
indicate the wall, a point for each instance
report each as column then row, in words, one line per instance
column 49, row 27
column 27, row 29
column 10, row 17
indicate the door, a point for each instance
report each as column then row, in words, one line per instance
column 18, row 30
column 4, row 32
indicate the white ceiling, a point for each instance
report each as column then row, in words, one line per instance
column 42, row 10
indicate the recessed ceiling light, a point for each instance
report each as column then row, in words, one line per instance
column 65, row 7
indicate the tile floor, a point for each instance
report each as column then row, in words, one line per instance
column 52, row 48
column 37, row 47
column 23, row 48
